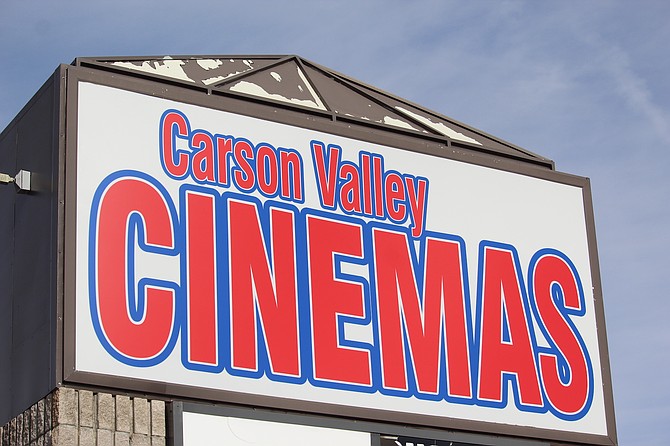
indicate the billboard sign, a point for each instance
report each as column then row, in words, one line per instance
column 243, row 257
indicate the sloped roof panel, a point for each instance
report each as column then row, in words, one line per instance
column 291, row 81
column 204, row 71
column 348, row 102
column 285, row 82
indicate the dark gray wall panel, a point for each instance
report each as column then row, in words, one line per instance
column 28, row 308
column 7, row 197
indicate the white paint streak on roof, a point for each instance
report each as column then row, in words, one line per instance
column 256, row 90
column 167, row 67
column 397, row 123
column 316, row 97
column 209, row 64
column 438, row 126
column 213, row 80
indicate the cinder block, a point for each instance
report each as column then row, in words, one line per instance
column 25, row 427
column 41, row 418
column 19, row 429
column 106, row 411
column 70, row 417
column 140, row 440
column 105, row 437
column 141, row 419
column 124, row 413
column 47, row 439
column 86, row 408
column 121, row 439
column 158, row 418
column 12, row 432
column 65, row 435
column 68, row 406
column 50, row 412
column 47, row 413
column 87, row 436
column 34, row 424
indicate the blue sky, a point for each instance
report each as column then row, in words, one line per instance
column 583, row 83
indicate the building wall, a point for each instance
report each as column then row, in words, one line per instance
column 29, row 265
column 73, row 417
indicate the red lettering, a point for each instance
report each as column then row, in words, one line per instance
column 332, row 297
column 174, row 125
column 201, row 278
column 350, row 190
column 291, row 185
column 244, row 173
column 564, row 372
column 147, row 336
column 429, row 323
column 502, row 300
column 366, row 172
column 267, row 169
column 260, row 287
column 395, row 197
column 203, row 157
column 379, row 190
column 417, row 193
column 224, row 147
column 326, row 180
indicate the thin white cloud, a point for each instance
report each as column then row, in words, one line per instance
column 633, row 87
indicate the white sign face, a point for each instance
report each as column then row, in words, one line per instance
column 228, row 253
column 203, row 429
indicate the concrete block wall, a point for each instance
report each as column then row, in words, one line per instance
column 73, row 417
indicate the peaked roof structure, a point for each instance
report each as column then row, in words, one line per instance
column 293, row 82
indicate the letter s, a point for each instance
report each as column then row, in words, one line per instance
column 565, row 367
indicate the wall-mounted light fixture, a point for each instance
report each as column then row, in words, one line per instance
column 21, row 179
